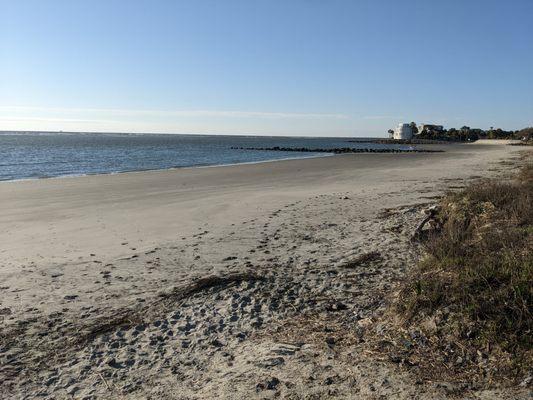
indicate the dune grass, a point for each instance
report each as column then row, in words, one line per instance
column 472, row 293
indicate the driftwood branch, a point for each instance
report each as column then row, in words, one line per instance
column 430, row 216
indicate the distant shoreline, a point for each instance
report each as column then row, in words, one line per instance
column 240, row 135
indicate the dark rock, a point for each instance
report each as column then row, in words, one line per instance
column 273, row 383
column 114, row 364
column 338, row 150
column 337, row 306
column 129, row 362
column 329, row 380
column 51, row 381
column 272, row 362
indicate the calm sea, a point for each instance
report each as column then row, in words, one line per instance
column 45, row 155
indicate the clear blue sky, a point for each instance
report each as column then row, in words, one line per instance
column 296, row 67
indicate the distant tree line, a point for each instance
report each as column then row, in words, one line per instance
column 466, row 133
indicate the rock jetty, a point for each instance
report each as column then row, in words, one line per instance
column 337, row 150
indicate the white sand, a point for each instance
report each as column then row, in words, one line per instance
column 64, row 220
column 76, row 251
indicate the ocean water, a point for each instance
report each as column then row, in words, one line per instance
column 45, row 155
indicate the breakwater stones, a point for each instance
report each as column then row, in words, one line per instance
column 337, row 150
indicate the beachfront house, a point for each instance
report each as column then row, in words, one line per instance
column 403, row 132
column 430, row 128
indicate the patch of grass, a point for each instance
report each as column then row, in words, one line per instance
column 471, row 296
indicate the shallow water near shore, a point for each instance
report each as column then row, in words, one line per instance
column 37, row 155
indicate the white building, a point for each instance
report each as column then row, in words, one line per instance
column 403, row 132
column 430, row 127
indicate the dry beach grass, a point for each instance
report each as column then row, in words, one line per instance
column 464, row 313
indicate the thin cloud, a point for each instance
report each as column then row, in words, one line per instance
column 63, row 120
column 176, row 113
column 382, row 117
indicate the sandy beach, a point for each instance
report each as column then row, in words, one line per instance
column 223, row 282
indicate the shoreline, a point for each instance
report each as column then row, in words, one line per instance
column 161, row 169
column 246, row 281
column 325, row 154
column 424, row 147
column 40, row 207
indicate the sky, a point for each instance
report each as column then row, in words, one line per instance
column 273, row 67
